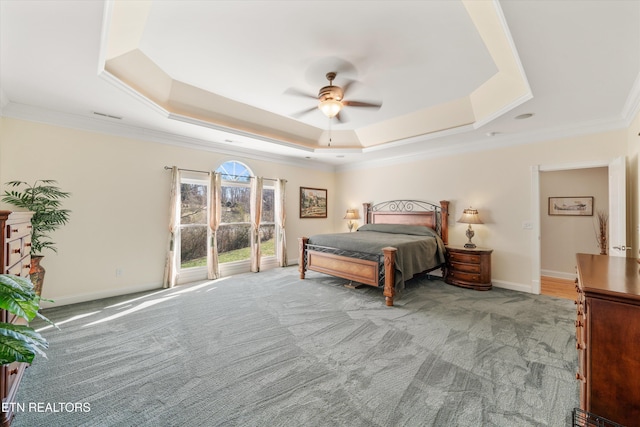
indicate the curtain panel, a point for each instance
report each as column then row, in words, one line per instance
column 172, row 268
column 256, row 214
column 215, row 215
column 281, row 216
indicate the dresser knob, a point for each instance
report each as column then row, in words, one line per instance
column 578, row 323
column 16, row 251
column 13, row 371
column 579, row 346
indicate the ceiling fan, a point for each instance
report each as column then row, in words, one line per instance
column 330, row 99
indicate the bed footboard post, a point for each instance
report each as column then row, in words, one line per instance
column 302, row 257
column 389, row 274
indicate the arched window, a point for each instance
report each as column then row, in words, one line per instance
column 233, row 236
column 234, row 171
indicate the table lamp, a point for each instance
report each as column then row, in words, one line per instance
column 351, row 215
column 470, row 216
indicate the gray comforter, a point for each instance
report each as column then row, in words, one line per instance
column 419, row 248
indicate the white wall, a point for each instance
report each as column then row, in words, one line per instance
column 119, row 203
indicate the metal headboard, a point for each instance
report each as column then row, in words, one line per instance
column 415, row 212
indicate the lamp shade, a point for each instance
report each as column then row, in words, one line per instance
column 352, row 214
column 470, row 216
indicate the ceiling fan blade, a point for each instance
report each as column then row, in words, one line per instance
column 299, row 114
column 297, row 92
column 360, row 104
column 345, row 87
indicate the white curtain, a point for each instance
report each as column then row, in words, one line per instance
column 171, row 267
column 281, row 216
column 256, row 213
column 215, row 213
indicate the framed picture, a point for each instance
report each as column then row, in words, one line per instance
column 573, row 206
column 313, row 203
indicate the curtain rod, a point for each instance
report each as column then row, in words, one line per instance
column 227, row 174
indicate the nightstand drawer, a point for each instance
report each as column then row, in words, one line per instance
column 469, row 268
column 462, row 257
column 467, row 277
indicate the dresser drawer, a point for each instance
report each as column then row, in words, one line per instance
column 15, row 269
column 462, row 257
column 14, row 250
column 15, row 231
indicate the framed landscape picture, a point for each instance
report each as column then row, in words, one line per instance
column 572, row 206
column 313, row 203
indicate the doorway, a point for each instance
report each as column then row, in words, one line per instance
column 615, row 177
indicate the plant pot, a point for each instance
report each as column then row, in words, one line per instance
column 36, row 273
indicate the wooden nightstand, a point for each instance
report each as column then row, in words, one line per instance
column 469, row 268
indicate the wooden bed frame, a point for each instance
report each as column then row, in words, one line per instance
column 366, row 271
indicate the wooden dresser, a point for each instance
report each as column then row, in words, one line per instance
column 15, row 252
column 469, row 267
column 608, row 337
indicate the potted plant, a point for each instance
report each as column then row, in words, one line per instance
column 43, row 199
column 20, row 343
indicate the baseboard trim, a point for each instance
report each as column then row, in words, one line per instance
column 512, row 286
column 558, row 274
column 99, row 295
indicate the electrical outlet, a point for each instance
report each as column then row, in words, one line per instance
column 119, row 272
column 527, row 225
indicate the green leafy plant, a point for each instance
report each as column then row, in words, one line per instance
column 20, row 343
column 43, row 199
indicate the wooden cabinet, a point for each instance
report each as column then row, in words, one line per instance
column 469, row 267
column 15, row 234
column 608, row 337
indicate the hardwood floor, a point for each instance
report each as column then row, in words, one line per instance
column 560, row 288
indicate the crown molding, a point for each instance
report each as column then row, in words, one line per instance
column 74, row 121
column 632, row 106
column 36, row 114
column 489, row 143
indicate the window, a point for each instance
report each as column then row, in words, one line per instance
column 234, row 231
column 193, row 223
column 268, row 221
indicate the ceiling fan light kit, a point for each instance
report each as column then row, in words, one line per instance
column 331, row 99
column 330, row 107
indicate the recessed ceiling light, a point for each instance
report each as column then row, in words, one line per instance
column 492, row 133
column 340, row 157
column 524, row 116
